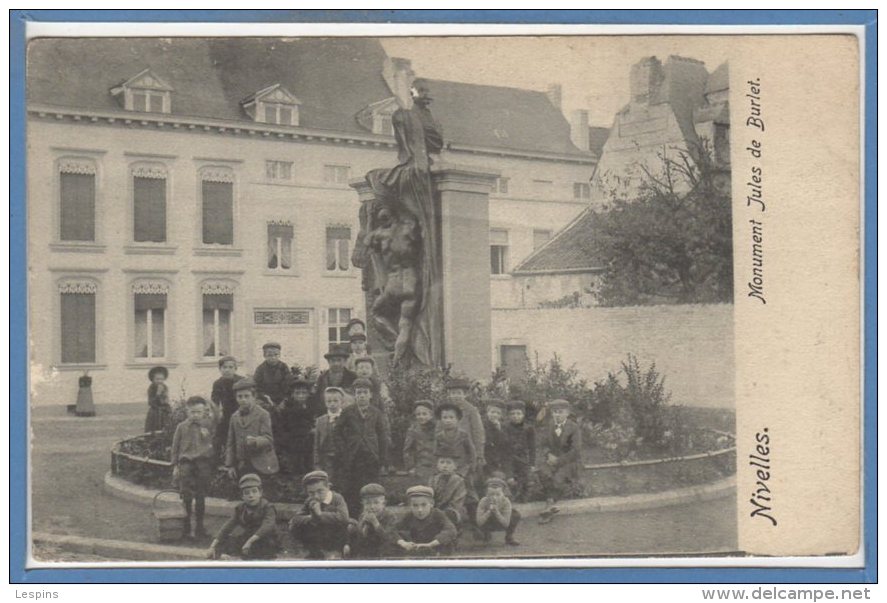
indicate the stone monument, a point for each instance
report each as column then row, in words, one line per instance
column 423, row 248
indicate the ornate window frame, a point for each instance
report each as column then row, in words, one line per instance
column 149, row 283
column 221, row 283
column 81, row 161
column 77, row 281
column 148, row 167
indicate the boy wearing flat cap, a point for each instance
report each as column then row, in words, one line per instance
column 425, row 531
column 452, row 441
column 321, row 525
column 373, row 535
column 358, row 344
column 250, row 446
column 418, row 445
column 449, row 490
column 560, row 463
column 362, row 437
column 495, row 513
column 521, row 437
column 194, row 460
column 251, row 533
column 273, row 377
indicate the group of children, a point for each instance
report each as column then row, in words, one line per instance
column 337, row 431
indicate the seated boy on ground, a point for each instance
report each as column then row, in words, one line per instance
column 321, row 525
column 449, row 490
column 252, row 531
column 495, row 513
column 425, row 531
column 561, row 449
column 374, row 534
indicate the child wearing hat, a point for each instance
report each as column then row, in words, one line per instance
column 418, row 445
column 194, row 460
column 321, row 525
column 337, row 375
column 496, row 446
column 224, row 400
column 469, row 420
column 324, row 440
column 425, row 531
column 365, row 368
column 452, row 441
column 355, row 326
column 293, row 425
column 449, row 490
column 251, row 533
column 362, row 438
column 250, row 447
column 159, row 410
column 560, row 447
column 358, row 343
column 273, row 377
column 521, row 438
column 495, row 512
column 374, row 534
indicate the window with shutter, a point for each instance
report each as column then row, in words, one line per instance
column 78, row 323
column 217, row 191
column 149, row 206
column 77, row 201
column 217, row 312
column 149, row 303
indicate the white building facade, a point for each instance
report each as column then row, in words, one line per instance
column 168, row 229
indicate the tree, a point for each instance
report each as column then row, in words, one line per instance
column 673, row 242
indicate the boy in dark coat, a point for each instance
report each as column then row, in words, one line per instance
column 418, row 445
column 560, row 448
column 425, row 531
column 194, row 461
column 361, row 435
column 337, row 375
column 452, row 441
column 496, row 446
column 225, row 402
column 321, row 525
column 273, row 377
column 159, row 410
column 374, row 534
column 521, row 436
column 250, row 447
column 324, row 441
column 293, row 423
column 449, row 490
column 252, row 531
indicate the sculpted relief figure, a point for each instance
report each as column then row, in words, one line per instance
column 398, row 245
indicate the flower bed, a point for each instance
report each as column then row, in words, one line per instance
column 144, row 460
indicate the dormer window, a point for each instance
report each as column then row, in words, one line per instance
column 273, row 105
column 144, row 92
column 377, row 117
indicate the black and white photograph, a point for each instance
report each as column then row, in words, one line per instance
column 348, row 300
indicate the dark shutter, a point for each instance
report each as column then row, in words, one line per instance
column 220, row 301
column 78, row 327
column 280, row 230
column 150, row 301
column 218, row 213
column 149, row 209
column 338, row 232
column 77, row 207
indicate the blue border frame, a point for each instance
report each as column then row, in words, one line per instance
column 18, row 304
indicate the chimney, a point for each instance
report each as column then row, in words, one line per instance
column 398, row 74
column 555, row 93
column 579, row 129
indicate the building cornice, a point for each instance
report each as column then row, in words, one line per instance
column 552, row 271
column 205, row 125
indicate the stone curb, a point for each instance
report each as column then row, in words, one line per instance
column 634, row 502
column 119, row 549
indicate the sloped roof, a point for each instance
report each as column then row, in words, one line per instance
column 719, row 79
column 496, row 116
column 334, row 78
column 570, row 250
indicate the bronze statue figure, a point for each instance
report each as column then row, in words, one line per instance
column 398, row 244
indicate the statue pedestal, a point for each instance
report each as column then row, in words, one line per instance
column 462, row 210
column 463, row 198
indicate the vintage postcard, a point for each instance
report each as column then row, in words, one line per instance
column 542, row 299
